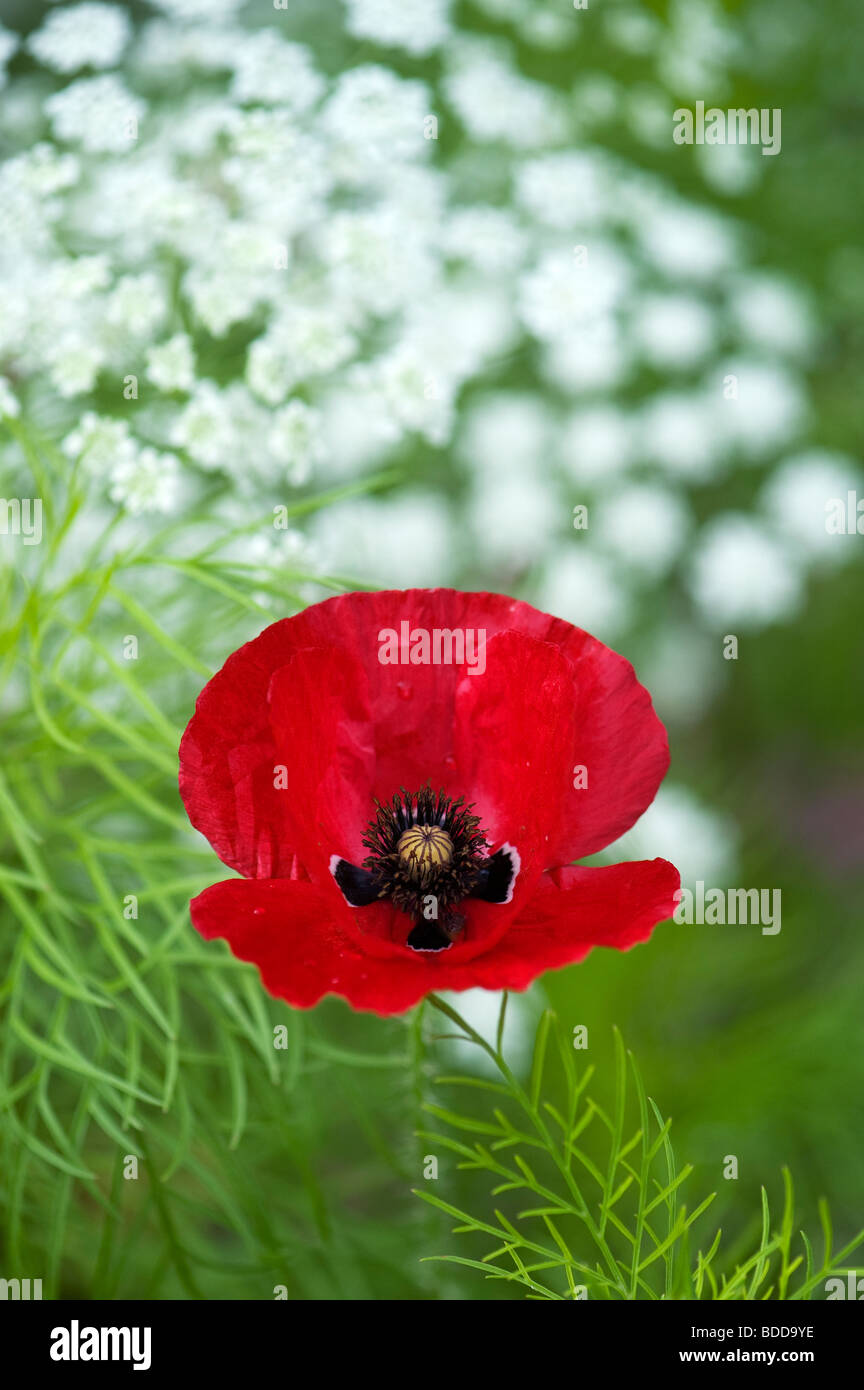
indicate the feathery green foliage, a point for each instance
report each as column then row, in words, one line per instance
column 123, row 1033
column 605, row 1218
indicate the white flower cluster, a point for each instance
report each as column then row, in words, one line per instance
column 277, row 275
column 140, row 477
column 81, row 36
column 418, row 26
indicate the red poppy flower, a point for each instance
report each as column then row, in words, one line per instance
column 393, row 775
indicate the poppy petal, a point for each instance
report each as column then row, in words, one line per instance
column 575, row 910
column 227, row 752
column 617, row 738
column 508, row 750
column 323, row 737
column 274, row 707
column 304, row 950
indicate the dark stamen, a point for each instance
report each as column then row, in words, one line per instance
column 427, row 853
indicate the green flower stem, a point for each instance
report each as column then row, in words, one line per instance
column 530, row 1108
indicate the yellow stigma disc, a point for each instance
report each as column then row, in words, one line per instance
column 424, row 847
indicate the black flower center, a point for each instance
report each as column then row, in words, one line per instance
column 426, row 854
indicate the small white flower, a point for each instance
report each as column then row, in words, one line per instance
column 798, row 493
column 355, row 429
column 141, row 204
column 566, row 190
column 418, row 26
column 597, row 443
column 304, row 341
column 633, row 30
column 456, row 331
column 384, row 540
column 563, row 293
column 768, row 409
column 687, row 242
column 731, row 170
column 294, row 439
column 701, row 42
column 100, row 443
column 506, row 433
column 225, row 284
column 198, row 126
column 496, row 103
column 222, row 429
column 679, row 666
column 74, row 363
column 281, row 173
column 78, row 278
column 79, row 36
column 486, row 237
column 581, row 586
column 261, row 134
column 269, row 70
column 248, row 248
column 275, row 548
column 643, row 525
column 9, row 404
column 43, row 170
column 374, row 119
column 677, row 430
column 147, row 482
column 99, row 113
column 163, row 48
column 675, row 330
column 771, row 313
column 405, row 393
column 378, row 260
column 137, row 304
column 702, row 843
column 742, row 574
column 205, row 428
column 597, row 358
column 547, row 29
column 221, row 297
column 271, row 369
column 513, row 524
column 171, row 365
